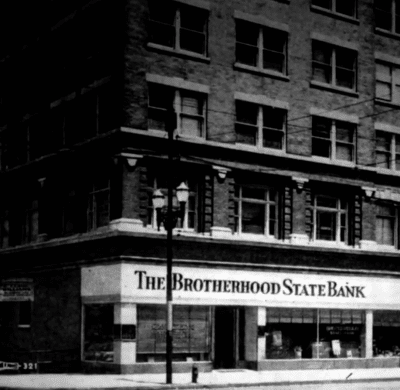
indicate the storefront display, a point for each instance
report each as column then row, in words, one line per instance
column 386, row 334
column 98, row 324
column 313, row 333
column 191, row 333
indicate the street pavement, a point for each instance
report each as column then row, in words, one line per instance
column 288, row 380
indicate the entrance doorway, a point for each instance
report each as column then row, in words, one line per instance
column 229, row 337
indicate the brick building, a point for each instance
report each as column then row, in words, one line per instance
column 287, row 136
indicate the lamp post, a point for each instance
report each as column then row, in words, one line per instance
column 169, row 218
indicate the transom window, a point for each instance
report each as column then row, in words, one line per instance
column 333, row 139
column 387, row 150
column 386, row 224
column 344, row 7
column 387, row 15
column 189, row 106
column 329, row 218
column 262, row 126
column 256, row 211
column 178, row 26
column 387, row 82
column 190, row 217
column 334, row 65
column 261, row 47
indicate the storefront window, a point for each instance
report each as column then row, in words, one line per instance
column 386, row 334
column 191, row 333
column 99, row 320
column 313, row 334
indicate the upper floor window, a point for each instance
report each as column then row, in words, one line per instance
column 261, row 47
column 190, row 218
column 387, row 86
column 333, row 139
column 189, row 106
column 344, row 7
column 386, row 224
column 178, row 26
column 387, row 15
column 99, row 203
column 387, row 150
column 334, row 65
column 329, row 218
column 261, row 126
column 256, row 211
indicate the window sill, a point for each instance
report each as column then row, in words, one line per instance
column 387, row 33
column 332, row 88
column 255, row 148
column 24, row 326
column 335, row 15
column 330, row 161
column 329, row 244
column 255, row 237
column 261, row 72
column 387, row 103
column 178, row 52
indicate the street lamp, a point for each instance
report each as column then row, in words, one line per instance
column 169, row 219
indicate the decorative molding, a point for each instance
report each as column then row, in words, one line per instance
column 369, row 191
column 127, row 225
column 221, row 171
column 221, row 232
column 299, row 239
column 300, row 181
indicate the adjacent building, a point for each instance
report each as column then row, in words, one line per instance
column 286, row 253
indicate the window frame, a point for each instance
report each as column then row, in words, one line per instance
column 92, row 205
column 338, row 212
column 177, row 27
column 395, row 220
column 262, row 29
column 267, row 202
column 392, row 83
column 178, row 94
column 394, row 27
column 391, row 152
column 260, row 125
column 24, row 310
column 333, row 140
column 333, row 65
column 333, row 8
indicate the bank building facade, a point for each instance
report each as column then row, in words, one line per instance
column 286, row 142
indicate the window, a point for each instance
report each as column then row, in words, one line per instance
column 99, row 203
column 256, row 211
column 24, row 314
column 387, row 15
column 261, row 47
column 190, row 220
column 329, row 218
column 333, row 139
column 261, row 126
column 178, row 26
column 387, row 86
column 387, row 150
column 334, row 65
column 344, row 7
column 189, row 106
column 386, row 226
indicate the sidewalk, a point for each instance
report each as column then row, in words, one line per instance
column 216, row 378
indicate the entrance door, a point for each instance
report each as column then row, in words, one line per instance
column 229, row 337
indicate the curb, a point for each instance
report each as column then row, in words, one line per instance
column 192, row 386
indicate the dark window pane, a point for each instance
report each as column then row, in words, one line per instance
column 253, row 218
column 346, row 7
column 322, row 3
column 326, row 226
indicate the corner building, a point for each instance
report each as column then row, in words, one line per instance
column 287, row 136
